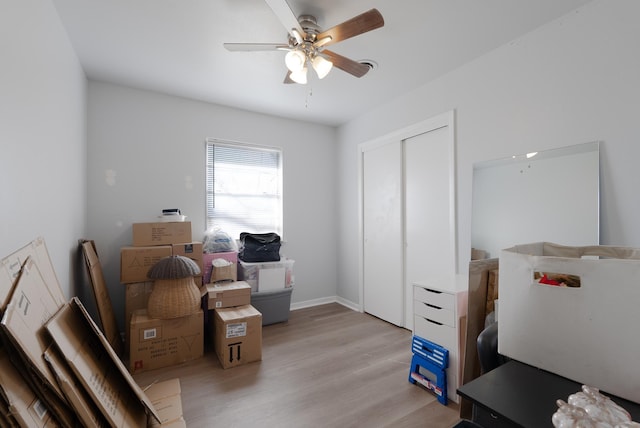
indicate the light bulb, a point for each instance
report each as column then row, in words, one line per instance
column 322, row 66
column 295, row 60
column 299, row 76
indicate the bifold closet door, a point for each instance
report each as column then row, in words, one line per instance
column 383, row 294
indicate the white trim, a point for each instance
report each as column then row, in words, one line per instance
column 325, row 300
column 349, row 304
column 446, row 119
column 314, row 302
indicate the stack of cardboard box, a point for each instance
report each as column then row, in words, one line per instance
column 57, row 368
column 234, row 326
column 155, row 343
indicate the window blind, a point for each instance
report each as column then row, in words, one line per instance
column 244, row 188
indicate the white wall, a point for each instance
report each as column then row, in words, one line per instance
column 42, row 136
column 154, row 147
column 572, row 81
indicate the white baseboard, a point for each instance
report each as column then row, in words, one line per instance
column 323, row 301
column 349, row 304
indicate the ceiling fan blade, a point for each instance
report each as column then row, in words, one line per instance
column 345, row 64
column 355, row 26
column 286, row 16
column 249, row 47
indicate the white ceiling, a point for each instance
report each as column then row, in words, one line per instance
column 175, row 47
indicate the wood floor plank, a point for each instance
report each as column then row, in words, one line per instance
column 328, row 366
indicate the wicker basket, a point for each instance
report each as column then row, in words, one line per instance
column 173, row 298
column 175, row 293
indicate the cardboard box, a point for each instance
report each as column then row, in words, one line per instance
column 192, row 250
column 136, row 297
column 135, row 262
column 584, row 331
column 226, row 295
column 156, row 343
column 98, row 368
column 224, row 273
column 238, row 335
column 162, row 233
column 207, row 261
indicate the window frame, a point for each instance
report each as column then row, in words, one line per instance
column 211, row 142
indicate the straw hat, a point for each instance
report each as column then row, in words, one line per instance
column 175, row 293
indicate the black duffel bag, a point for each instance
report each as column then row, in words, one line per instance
column 259, row 247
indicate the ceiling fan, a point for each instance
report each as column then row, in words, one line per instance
column 306, row 43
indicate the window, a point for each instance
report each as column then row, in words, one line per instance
column 244, row 188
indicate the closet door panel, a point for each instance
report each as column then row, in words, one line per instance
column 430, row 244
column 383, row 243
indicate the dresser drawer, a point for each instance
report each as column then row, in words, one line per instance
column 434, row 297
column 440, row 334
column 434, row 313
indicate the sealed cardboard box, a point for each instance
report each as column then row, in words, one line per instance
column 238, row 335
column 192, row 250
column 135, row 262
column 136, row 297
column 207, row 261
column 156, row 343
column 227, row 294
column 163, row 233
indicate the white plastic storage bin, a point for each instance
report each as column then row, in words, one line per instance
column 266, row 276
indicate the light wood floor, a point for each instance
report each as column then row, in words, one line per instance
column 328, row 366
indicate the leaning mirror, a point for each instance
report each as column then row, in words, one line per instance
column 551, row 195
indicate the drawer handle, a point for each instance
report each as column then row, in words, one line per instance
column 433, row 322
column 432, row 291
column 433, row 306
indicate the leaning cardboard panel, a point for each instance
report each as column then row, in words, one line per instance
column 98, row 368
column 165, row 397
column 23, row 404
column 6, row 419
column 103, row 300
column 86, row 410
column 11, row 265
column 31, row 304
column 585, row 331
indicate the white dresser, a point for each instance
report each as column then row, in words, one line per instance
column 439, row 315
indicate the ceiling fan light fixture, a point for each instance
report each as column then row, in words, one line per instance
column 295, row 60
column 322, row 66
column 299, row 76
